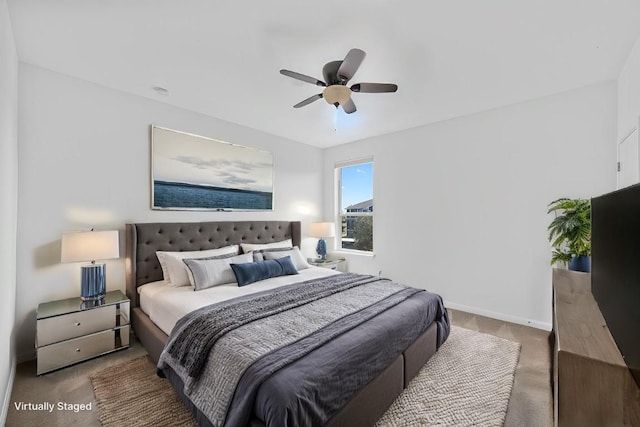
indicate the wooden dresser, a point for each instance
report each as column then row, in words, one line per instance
column 592, row 385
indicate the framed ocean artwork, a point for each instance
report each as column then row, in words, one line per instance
column 191, row 172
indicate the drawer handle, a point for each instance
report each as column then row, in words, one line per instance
column 77, row 350
column 77, row 323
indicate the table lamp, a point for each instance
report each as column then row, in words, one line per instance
column 322, row 230
column 91, row 246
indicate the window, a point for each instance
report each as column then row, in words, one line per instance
column 354, row 184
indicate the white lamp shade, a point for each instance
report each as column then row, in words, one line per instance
column 90, row 246
column 322, row 229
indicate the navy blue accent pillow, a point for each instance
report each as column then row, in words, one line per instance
column 251, row 272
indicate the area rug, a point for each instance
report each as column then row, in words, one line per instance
column 131, row 394
column 466, row 383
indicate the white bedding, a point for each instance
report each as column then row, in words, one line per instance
column 165, row 305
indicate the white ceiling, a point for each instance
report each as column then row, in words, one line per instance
column 221, row 57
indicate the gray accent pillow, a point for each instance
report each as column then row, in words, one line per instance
column 258, row 255
column 214, row 271
column 249, row 247
column 294, row 253
column 174, row 271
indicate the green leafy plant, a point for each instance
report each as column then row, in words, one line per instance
column 363, row 234
column 570, row 230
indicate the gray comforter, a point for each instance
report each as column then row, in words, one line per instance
column 296, row 354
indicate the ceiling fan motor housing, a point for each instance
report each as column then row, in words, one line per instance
column 330, row 73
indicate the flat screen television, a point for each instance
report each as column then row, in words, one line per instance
column 615, row 268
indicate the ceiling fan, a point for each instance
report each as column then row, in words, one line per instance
column 336, row 75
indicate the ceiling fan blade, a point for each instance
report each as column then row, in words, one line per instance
column 349, row 106
column 308, row 101
column 350, row 64
column 302, row 77
column 374, row 87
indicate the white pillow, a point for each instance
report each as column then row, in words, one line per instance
column 176, row 273
column 296, row 256
column 209, row 272
column 248, row 247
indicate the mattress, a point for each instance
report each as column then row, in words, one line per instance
column 165, row 305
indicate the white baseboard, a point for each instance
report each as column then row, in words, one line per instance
column 7, row 394
column 500, row 316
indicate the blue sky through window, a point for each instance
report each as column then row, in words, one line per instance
column 357, row 184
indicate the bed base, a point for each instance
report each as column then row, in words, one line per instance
column 152, row 338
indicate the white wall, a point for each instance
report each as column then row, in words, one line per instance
column 84, row 161
column 8, row 203
column 629, row 93
column 628, row 118
column 460, row 206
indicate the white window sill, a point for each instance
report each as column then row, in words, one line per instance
column 345, row 252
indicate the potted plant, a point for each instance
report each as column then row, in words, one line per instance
column 570, row 233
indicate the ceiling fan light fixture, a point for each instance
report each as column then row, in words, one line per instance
column 336, row 94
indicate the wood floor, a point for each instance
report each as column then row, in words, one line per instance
column 530, row 404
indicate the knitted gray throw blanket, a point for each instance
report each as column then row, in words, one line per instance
column 191, row 346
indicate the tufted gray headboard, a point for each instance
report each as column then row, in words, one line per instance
column 143, row 240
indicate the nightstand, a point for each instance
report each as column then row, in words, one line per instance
column 339, row 264
column 71, row 330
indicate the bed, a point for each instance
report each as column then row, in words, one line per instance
column 362, row 407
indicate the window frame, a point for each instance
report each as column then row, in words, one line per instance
column 338, row 203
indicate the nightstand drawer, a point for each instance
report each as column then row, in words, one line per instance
column 65, row 353
column 60, row 328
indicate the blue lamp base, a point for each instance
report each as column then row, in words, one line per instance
column 93, row 282
column 321, row 249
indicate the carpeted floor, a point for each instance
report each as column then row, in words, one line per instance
column 530, row 404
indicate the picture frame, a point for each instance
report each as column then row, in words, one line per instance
column 192, row 172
